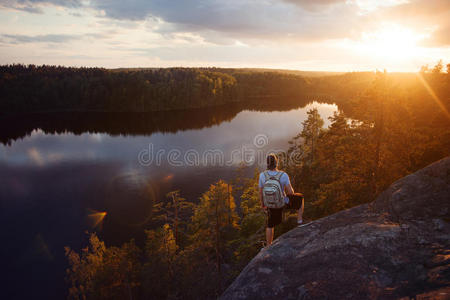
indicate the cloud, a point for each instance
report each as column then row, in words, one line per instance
column 45, row 38
column 126, row 10
column 35, row 6
column 418, row 8
column 431, row 16
column 438, row 38
column 254, row 21
column 52, row 38
column 35, row 156
column 227, row 21
column 223, row 22
column 315, row 5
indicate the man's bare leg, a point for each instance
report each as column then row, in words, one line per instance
column 300, row 213
column 269, row 235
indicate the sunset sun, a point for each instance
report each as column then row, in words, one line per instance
column 391, row 43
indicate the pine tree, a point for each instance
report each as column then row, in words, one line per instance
column 174, row 211
column 161, row 258
column 214, row 220
column 312, row 127
column 102, row 272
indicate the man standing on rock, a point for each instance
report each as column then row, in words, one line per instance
column 275, row 194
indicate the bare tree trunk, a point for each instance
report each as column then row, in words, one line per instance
column 312, row 145
column 229, row 205
column 130, row 293
column 379, row 128
column 168, row 260
column 218, row 245
column 175, row 202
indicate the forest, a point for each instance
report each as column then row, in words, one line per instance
column 388, row 126
column 51, row 88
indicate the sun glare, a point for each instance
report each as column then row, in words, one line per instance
column 391, row 42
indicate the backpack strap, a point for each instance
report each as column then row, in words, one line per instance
column 266, row 175
column 278, row 176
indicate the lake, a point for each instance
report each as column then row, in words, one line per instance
column 59, row 171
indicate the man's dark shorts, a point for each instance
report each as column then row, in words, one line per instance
column 275, row 215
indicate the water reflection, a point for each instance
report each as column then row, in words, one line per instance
column 63, row 174
column 19, row 126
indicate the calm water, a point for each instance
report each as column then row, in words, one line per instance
column 56, row 170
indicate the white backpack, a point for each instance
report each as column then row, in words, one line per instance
column 272, row 191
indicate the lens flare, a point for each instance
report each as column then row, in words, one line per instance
column 433, row 95
column 131, row 196
column 96, row 217
column 168, row 177
column 150, row 194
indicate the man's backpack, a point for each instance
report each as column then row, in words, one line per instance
column 272, row 191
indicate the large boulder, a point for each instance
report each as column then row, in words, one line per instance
column 397, row 246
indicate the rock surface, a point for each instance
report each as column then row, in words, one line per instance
column 395, row 247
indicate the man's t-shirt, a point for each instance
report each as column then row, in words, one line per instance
column 284, row 181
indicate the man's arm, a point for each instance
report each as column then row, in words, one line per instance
column 261, row 198
column 261, row 185
column 288, row 189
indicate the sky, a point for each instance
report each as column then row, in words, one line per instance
column 322, row 35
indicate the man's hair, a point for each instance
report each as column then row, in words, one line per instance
column 272, row 161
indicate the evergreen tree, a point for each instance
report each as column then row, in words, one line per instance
column 214, row 222
column 174, row 212
column 104, row 273
column 160, row 263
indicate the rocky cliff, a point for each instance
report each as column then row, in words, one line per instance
column 395, row 247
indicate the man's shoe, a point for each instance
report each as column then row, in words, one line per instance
column 301, row 224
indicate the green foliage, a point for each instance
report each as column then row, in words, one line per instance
column 305, row 143
column 160, row 263
column 216, row 204
column 50, row 88
column 253, row 223
column 200, row 266
column 396, row 126
column 250, row 203
column 102, row 272
column 174, row 212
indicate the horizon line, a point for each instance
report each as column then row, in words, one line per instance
column 215, row 67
